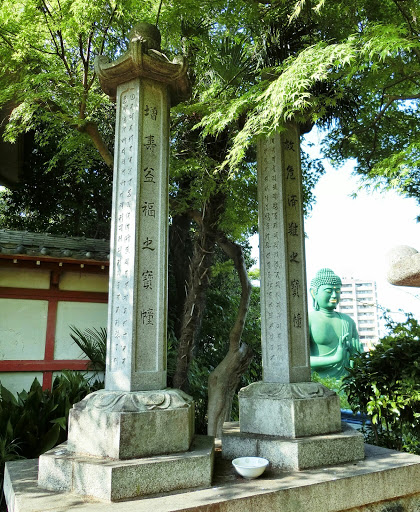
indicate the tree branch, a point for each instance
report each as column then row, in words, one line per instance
column 408, row 21
column 91, row 129
column 105, row 30
column 7, row 41
column 389, row 102
column 224, row 379
column 235, row 252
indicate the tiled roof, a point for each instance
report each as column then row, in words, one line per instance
column 46, row 245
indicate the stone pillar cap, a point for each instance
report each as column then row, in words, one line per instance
column 143, row 59
column 146, row 33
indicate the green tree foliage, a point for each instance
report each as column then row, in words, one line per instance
column 352, row 66
column 61, row 194
column 354, row 69
column 46, row 69
column 385, row 384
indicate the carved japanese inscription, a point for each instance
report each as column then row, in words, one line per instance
column 153, row 220
column 283, row 283
column 137, row 303
column 125, row 197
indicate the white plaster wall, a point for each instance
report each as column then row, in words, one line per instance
column 82, row 315
column 78, row 281
column 17, row 382
column 25, row 278
column 23, row 325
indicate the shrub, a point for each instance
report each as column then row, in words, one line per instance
column 36, row 420
column 93, row 343
column 335, row 385
column 385, row 384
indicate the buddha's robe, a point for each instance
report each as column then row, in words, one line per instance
column 332, row 351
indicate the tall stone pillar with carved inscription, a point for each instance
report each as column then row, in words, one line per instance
column 136, row 421
column 284, row 319
column 293, row 422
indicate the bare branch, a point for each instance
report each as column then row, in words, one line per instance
column 7, row 41
column 91, row 129
column 107, row 27
column 389, row 102
column 235, row 252
column 224, row 379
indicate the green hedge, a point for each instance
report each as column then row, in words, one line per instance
column 385, row 384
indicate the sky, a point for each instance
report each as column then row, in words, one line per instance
column 353, row 236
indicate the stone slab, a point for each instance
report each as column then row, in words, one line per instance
column 111, row 480
column 384, row 481
column 137, row 424
column 289, row 410
column 294, row 454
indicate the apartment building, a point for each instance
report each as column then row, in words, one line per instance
column 359, row 301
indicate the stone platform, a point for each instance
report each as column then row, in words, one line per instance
column 384, row 481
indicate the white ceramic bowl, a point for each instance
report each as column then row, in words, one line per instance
column 250, row 467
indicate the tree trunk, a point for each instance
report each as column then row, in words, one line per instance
column 180, row 253
column 194, row 306
column 198, row 283
column 224, row 379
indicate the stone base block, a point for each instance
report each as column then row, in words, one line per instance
column 294, row 454
column 113, row 480
column 289, row 410
column 130, row 425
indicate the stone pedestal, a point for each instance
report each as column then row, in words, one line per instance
column 298, row 453
column 127, row 444
column 294, row 426
column 112, row 479
column 289, row 410
column 137, row 424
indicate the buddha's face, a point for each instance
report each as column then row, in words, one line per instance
column 328, row 296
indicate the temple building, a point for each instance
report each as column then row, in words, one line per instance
column 359, row 301
column 47, row 284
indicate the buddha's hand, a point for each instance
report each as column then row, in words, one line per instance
column 345, row 341
column 342, row 346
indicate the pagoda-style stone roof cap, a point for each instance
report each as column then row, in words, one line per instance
column 18, row 243
column 404, row 266
column 143, row 59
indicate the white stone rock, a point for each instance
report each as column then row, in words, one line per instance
column 404, row 266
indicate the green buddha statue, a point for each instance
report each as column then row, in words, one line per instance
column 333, row 336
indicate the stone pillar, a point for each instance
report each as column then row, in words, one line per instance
column 286, row 417
column 145, row 84
column 284, row 317
column 136, row 417
column 137, row 308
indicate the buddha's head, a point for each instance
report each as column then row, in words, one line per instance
column 325, row 289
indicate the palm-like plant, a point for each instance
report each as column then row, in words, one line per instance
column 93, row 343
